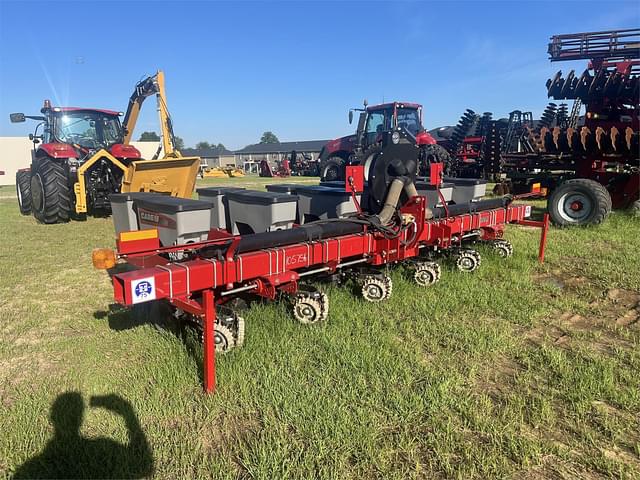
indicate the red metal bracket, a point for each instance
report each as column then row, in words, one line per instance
column 544, row 226
column 209, row 357
column 435, row 173
column 354, row 178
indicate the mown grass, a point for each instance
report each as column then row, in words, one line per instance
column 518, row 370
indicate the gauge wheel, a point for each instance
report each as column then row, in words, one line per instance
column 426, row 273
column 468, row 261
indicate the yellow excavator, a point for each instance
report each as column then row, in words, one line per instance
column 83, row 155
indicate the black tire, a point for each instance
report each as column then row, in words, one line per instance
column 635, row 208
column 579, row 201
column 434, row 153
column 23, row 191
column 332, row 169
column 50, row 195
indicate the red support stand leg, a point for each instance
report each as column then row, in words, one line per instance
column 543, row 237
column 209, row 359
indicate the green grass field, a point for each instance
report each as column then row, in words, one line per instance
column 519, row 370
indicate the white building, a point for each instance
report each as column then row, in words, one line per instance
column 16, row 153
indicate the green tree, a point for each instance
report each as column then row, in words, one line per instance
column 203, row 146
column 149, row 137
column 220, row 148
column 269, row 137
column 179, row 143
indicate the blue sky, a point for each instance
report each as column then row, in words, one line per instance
column 236, row 69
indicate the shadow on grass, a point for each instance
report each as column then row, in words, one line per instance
column 69, row 455
column 157, row 314
column 121, row 318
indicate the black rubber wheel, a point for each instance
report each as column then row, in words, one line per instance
column 635, row 208
column 50, row 196
column 579, row 201
column 332, row 169
column 434, row 154
column 23, row 191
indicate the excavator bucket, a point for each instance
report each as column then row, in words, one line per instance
column 171, row 176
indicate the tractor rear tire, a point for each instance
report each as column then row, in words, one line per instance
column 51, row 197
column 332, row 169
column 579, row 201
column 23, row 190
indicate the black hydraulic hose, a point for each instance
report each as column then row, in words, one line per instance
column 280, row 238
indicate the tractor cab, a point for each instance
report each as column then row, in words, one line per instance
column 77, row 132
column 373, row 121
column 376, row 119
column 88, row 129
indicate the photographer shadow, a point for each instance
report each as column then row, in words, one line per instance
column 70, row 455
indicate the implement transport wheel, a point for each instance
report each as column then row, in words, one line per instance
column 468, row 261
column 426, row 273
column 635, row 208
column 308, row 310
column 375, row 289
column 579, row 201
column 503, row 248
column 50, row 195
column 332, row 169
column 23, row 191
column 229, row 329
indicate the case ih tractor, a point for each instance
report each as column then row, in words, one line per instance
column 374, row 120
column 81, row 156
column 63, row 141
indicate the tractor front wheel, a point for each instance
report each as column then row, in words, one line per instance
column 434, row 154
column 579, row 201
column 332, row 169
column 50, row 195
column 23, row 190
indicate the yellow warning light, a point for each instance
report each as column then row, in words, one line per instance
column 103, row 258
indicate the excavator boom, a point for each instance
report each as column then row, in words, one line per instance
column 173, row 174
column 152, row 85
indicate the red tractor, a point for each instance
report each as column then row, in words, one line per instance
column 374, row 120
column 69, row 138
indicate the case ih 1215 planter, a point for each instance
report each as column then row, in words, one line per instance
column 199, row 255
